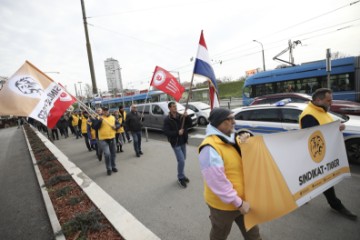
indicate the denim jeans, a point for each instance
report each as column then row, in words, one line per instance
column 136, row 141
column 108, row 148
column 180, row 153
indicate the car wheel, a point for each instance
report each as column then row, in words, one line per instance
column 202, row 121
column 353, row 150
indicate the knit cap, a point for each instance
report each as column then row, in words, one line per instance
column 218, row 115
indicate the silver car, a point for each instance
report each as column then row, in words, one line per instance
column 154, row 114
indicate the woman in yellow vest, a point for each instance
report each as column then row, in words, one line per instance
column 222, row 171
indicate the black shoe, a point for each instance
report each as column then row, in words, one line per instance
column 346, row 213
column 114, row 170
column 109, row 172
column 141, row 153
column 118, row 148
column 89, row 149
column 130, row 140
column 100, row 157
column 186, row 180
column 182, row 183
column 138, row 155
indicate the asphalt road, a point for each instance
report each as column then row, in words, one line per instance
column 22, row 210
column 147, row 188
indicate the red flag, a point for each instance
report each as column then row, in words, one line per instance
column 164, row 81
column 60, row 105
column 31, row 93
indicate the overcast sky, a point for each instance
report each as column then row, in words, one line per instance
column 141, row 34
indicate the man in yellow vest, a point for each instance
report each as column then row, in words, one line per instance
column 222, row 171
column 316, row 113
column 107, row 126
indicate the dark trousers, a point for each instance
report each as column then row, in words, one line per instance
column 87, row 141
column 331, row 198
column 221, row 223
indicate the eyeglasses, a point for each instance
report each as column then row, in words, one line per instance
column 230, row 118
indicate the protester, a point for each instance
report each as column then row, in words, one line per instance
column 316, row 113
column 119, row 142
column 175, row 128
column 126, row 132
column 222, row 171
column 83, row 126
column 92, row 122
column 74, row 118
column 134, row 125
column 106, row 126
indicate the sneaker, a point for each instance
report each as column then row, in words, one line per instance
column 141, row 153
column 114, row 170
column 186, row 180
column 109, row 172
column 182, row 183
column 346, row 213
column 130, row 140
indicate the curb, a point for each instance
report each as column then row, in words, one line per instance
column 48, row 204
column 122, row 220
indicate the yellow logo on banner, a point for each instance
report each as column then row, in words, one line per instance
column 317, row 146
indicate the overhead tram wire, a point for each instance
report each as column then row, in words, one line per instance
column 296, row 36
column 313, row 18
column 321, row 15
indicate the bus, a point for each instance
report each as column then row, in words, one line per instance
column 201, row 94
column 127, row 101
column 306, row 78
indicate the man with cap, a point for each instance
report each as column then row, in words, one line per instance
column 222, row 171
column 107, row 126
column 175, row 128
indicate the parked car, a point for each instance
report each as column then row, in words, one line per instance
column 154, row 114
column 337, row 106
column 202, row 111
column 266, row 119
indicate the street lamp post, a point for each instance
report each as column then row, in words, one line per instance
column 263, row 53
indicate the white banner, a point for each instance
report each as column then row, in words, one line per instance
column 285, row 170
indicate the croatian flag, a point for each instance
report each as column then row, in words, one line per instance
column 203, row 67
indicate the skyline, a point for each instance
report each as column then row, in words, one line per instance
column 142, row 35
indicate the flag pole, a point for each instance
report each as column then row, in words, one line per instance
column 147, row 94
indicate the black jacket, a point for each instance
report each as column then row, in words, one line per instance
column 133, row 122
column 173, row 125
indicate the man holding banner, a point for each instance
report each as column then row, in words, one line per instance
column 222, row 169
column 316, row 114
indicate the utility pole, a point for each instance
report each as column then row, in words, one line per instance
column 328, row 66
column 88, row 48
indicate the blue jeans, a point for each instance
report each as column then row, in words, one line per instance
column 136, row 141
column 108, row 148
column 180, row 153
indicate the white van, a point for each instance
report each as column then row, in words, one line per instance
column 154, row 114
